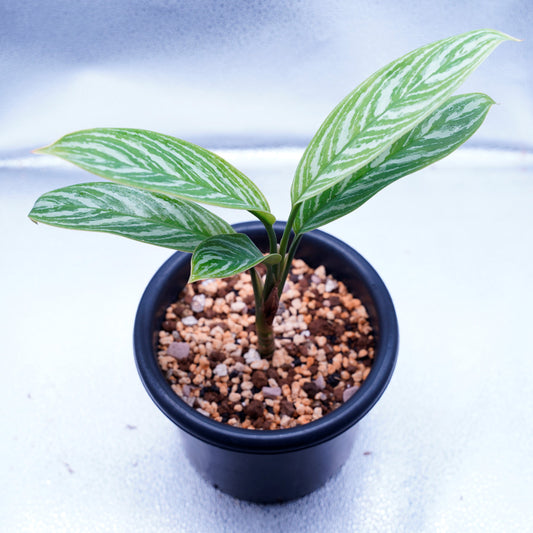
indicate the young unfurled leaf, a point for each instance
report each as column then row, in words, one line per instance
column 223, row 256
column 272, row 259
column 162, row 164
column 434, row 138
column 386, row 106
column 134, row 213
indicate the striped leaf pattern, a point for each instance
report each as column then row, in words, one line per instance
column 434, row 138
column 386, row 106
column 134, row 213
column 160, row 163
column 223, row 256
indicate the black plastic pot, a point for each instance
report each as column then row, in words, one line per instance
column 280, row 465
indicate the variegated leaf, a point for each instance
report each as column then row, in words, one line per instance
column 224, row 256
column 434, row 138
column 160, row 163
column 134, row 213
column 386, row 106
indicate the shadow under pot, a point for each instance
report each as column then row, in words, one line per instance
column 270, row 466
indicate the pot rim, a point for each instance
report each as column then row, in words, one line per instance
column 280, row 440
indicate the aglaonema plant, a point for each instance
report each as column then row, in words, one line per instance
column 398, row 121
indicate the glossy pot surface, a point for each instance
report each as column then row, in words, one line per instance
column 279, row 465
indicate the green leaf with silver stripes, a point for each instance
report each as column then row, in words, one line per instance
column 225, row 255
column 134, row 213
column 163, row 164
column 436, row 137
column 387, row 106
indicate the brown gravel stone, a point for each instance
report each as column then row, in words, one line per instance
column 311, row 389
column 338, row 393
column 169, row 325
column 287, row 408
column 324, row 350
column 259, row 379
column 217, row 356
column 254, row 409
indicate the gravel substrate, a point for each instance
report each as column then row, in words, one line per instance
column 324, row 350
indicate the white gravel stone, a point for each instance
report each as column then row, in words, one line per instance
column 209, row 286
column 198, row 303
column 239, row 367
column 238, row 307
column 234, row 397
column 178, row 350
column 320, row 271
column 298, row 339
column 189, row 321
column 271, row 392
column 296, row 303
column 320, row 382
column 331, row 285
column 231, row 348
column 260, row 364
column 220, row 370
column 252, row 355
column 348, row 393
column 189, row 400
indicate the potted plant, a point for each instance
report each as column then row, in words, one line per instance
column 219, row 384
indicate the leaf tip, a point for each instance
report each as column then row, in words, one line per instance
column 505, row 36
column 511, row 38
column 42, row 150
column 488, row 100
column 486, row 97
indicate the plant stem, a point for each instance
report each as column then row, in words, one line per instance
column 272, row 240
column 288, row 262
column 257, row 287
column 267, row 295
column 265, row 337
column 263, row 322
column 287, row 232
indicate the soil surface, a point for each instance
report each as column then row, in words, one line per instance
column 324, row 350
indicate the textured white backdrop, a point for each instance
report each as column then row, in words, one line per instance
column 84, row 449
column 235, row 73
